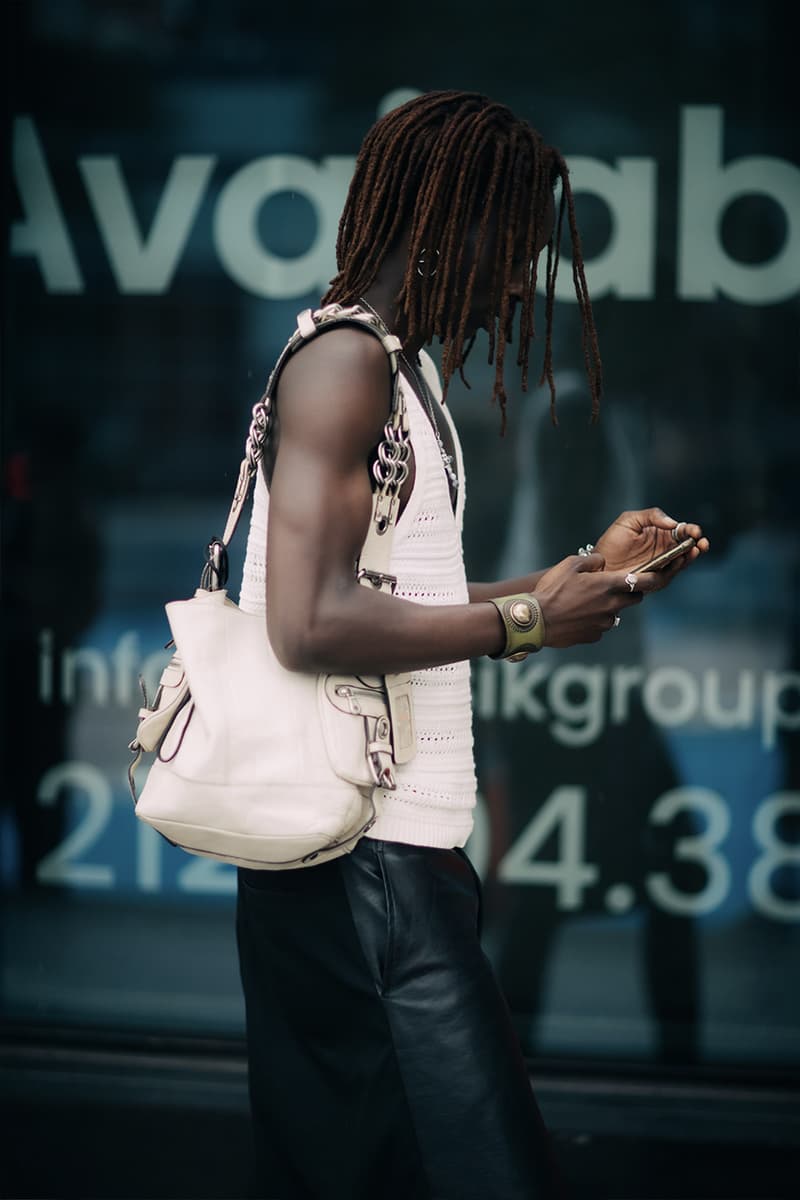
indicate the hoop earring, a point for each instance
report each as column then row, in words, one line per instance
column 421, row 264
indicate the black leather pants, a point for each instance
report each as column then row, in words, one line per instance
column 383, row 1063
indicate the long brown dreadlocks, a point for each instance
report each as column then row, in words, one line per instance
column 441, row 167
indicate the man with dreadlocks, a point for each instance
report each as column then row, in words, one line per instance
column 383, row 1063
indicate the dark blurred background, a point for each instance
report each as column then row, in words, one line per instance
column 177, row 168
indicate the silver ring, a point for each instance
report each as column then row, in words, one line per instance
column 616, row 620
column 676, row 536
column 631, row 581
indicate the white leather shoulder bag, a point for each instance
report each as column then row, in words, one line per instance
column 256, row 765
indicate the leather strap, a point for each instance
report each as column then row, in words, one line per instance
column 391, row 468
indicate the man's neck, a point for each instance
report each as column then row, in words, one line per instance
column 381, row 299
column 382, row 292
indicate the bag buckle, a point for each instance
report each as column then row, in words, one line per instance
column 379, row 750
column 378, row 579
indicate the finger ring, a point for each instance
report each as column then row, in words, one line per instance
column 676, row 534
column 616, row 620
column 631, row 581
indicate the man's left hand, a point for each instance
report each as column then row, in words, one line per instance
column 636, row 537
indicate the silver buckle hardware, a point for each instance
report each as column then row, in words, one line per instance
column 378, row 579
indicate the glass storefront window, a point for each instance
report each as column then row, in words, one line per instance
column 174, row 199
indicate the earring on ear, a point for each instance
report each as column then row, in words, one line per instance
column 421, row 263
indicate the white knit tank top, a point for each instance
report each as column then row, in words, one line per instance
column 435, row 795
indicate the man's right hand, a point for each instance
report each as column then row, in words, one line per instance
column 580, row 599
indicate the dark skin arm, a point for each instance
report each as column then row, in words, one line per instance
column 332, row 405
column 480, row 592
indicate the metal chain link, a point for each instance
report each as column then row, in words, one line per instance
column 259, row 432
column 390, row 469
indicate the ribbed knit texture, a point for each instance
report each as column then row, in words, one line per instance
column 435, row 795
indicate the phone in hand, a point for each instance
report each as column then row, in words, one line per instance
column 661, row 560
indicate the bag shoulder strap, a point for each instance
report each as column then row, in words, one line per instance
column 389, row 470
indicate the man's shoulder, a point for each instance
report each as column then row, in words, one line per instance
column 338, row 353
column 337, row 385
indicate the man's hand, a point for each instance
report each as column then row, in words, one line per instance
column 636, row 537
column 580, row 599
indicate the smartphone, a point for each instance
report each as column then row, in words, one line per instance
column 661, row 560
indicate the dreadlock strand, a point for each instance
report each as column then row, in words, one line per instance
column 468, row 143
column 509, row 226
column 591, row 349
column 462, row 201
column 503, row 168
column 553, row 260
column 454, row 321
column 536, row 217
column 496, row 168
column 455, row 358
